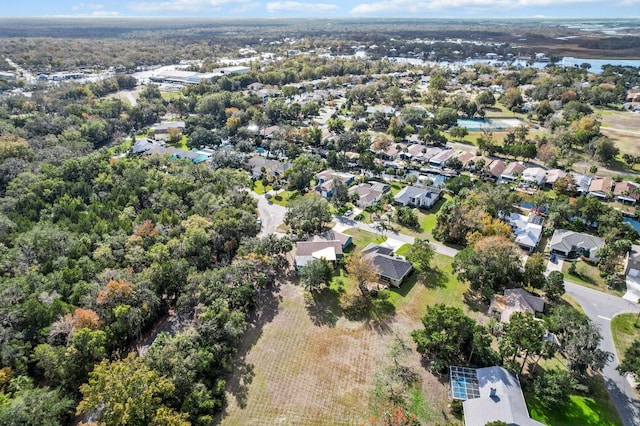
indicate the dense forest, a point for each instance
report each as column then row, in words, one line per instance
column 93, row 253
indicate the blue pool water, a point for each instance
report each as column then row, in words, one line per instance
column 634, row 223
column 476, row 124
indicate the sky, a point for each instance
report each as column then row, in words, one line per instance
column 324, row 8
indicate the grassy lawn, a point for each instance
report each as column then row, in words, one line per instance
column 283, row 197
column 363, row 238
column 588, row 276
column 625, row 331
column 396, row 187
column 442, row 287
column 597, row 410
column 259, row 188
column 426, row 219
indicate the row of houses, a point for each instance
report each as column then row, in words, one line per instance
column 391, row 269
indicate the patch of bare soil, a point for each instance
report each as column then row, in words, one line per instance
column 293, row 370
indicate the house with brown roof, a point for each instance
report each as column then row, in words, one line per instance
column 307, row 251
column 627, row 192
column 494, row 170
column 512, row 172
column 515, row 300
column 600, row 187
column 552, row 177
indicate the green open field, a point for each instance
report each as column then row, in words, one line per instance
column 588, row 276
column 581, row 411
column 625, row 329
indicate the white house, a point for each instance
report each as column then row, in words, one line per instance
column 415, row 196
column 534, row 175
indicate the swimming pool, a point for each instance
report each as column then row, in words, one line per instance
column 478, row 124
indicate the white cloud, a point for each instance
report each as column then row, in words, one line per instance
column 296, row 6
column 105, row 14
column 181, row 5
column 84, row 6
column 421, row 6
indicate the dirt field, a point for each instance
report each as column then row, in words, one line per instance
column 623, row 128
column 298, row 369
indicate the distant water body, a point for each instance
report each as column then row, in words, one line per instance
column 568, row 61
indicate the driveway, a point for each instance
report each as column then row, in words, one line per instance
column 601, row 308
column 272, row 215
column 633, row 288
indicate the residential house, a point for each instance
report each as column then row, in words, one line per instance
column 601, row 187
column 391, row 153
column 465, row 157
column 574, row 244
column 534, row 176
column 552, row 177
column 527, row 230
column 439, row 160
column 177, row 153
column 390, row 268
column 143, row 145
column 269, row 132
column 162, row 130
column 494, row 170
column 380, row 186
column 325, row 181
column 367, row 195
column 512, row 172
column 582, row 182
column 271, row 167
column 331, row 235
column 515, row 300
column 490, row 394
column 306, row 251
column 415, row 196
column 627, row 192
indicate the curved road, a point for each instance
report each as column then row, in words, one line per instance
column 598, row 306
column 601, row 308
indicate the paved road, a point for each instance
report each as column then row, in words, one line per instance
column 272, row 215
column 601, row 308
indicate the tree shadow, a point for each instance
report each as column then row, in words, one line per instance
column 268, row 303
column 434, row 278
column 375, row 310
column 475, row 301
column 323, row 306
column 241, row 380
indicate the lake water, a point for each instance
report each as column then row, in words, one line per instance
column 567, row 61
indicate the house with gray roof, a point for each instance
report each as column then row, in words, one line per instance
column 367, row 195
column 162, row 130
column 582, row 182
column 574, row 244
column 415, row 196
column 527, row 230
column 142, row 145
column 499, row 397
column 391, row 269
